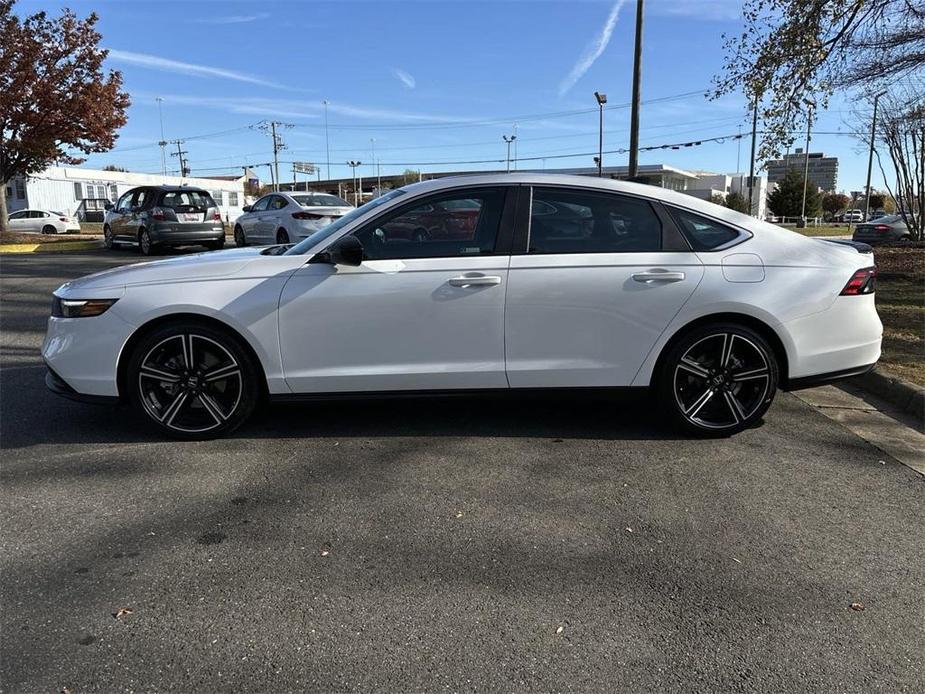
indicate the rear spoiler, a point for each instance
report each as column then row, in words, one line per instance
column 856, row 245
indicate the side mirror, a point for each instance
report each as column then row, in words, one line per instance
column 345, row 251
column 246, row 208
column 109, row 207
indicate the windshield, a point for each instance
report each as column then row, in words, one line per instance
column 320, row 200
column 331, row 229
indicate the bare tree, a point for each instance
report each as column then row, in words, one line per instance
column 902, row 130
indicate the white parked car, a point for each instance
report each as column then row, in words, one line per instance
column 43, row 221
column 287, row 217
column 853, row 216
column 522, row 281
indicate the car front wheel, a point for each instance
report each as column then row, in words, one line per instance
column 192, row 381
column 239, row 239
column 718, row 380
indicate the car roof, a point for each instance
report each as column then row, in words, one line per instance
column 169, row 189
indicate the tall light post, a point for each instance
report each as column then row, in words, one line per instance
column 637, row 89
column 809, row 125
column 327, row 141
column 353, row 164
column 509, row 139
column 372, row 142
column 163, row 142
column 870, row 156
column 601, row 100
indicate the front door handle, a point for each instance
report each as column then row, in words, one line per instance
column 658, row 275
column 475, row 280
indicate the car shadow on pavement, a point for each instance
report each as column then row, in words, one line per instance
column 31, row 415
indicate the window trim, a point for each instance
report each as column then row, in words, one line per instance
column 503, row 240
column 743, row 234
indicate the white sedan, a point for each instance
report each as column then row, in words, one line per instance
column 287, row 217
column 43, row 221
column 522, row 281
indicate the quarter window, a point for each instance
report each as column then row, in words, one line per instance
column 703, row 234
column 452, row 225
column 577, row 221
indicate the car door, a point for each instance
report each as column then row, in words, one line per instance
column 118, row 217
column 598, row 278
column 415, row 315
column 19, row 221
column 271, row 220
column 250, row 221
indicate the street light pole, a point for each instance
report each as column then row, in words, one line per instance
column 509, row 140
column 163, row 142
column 327, row 141
column 637, row 79
column 372, row 142
column 601, row 100
column 809, row 125
column 870, row 156
column 353, row 164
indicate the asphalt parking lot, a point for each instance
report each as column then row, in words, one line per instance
column 553, row 545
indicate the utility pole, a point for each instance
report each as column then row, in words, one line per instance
column 637, row 79
column 509, row 140
column 601, row 100
column 353, row 164
column 181, row 155
column 278, row 145
column 327, row 141
column 870, row 156
column 809, row 125
column 751, row 166
column 163, row 143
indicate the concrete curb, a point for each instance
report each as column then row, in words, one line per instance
column 907, row 396
column 51, row 247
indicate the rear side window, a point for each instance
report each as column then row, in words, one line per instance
column 703, row 234
column 187, row 200
column 576, row 221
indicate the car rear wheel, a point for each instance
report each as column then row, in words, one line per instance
column 145, row 245
column 192, row 381
column 282, row 237
column 239, row 239
column 718, row 380
column 49, row 229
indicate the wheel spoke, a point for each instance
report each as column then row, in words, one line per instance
column 737, row 413
column 693, row 367
column 751, row 375
column 699, row 403
column 212, row 408
column 159, row 375
column 222, row 373
column 171, row 412
column 727, row 349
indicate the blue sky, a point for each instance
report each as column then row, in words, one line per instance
column 431, row 82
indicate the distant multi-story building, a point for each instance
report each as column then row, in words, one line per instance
column 823, row 170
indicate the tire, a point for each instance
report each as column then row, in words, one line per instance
column 178, row 397
column 282, row 237
column 717, row 380
column 239, row 239
column 145, row 245
column 108, row 238
column 216, row 245
column 49, row 229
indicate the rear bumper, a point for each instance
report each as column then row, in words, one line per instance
column 180, row 236
column 822, row 379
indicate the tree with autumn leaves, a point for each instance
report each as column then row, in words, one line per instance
column 58, row 101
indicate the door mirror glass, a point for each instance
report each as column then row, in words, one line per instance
column 108, row 206
column 345, row 251
column 246, row 208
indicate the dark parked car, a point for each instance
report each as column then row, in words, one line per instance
column 883, row 230
column 153, row 217
column 452, row 220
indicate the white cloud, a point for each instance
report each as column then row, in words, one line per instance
column 593, row 50
column 404, row 78
column 154, row 62
column 233, row 19
column 704, row 10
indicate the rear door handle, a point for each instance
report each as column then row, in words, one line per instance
column 475, row 280
column 658, row 275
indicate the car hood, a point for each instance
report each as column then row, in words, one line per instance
column 186, row 267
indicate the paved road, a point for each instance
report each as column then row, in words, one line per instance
column 459, row 545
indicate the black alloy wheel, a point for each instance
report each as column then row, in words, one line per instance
column 719, row 380
column 193, row 382
column 239, row 240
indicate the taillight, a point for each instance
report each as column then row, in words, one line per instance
column 64, row 219
column 216, row 216
column 307, row 215
column 861, row 282
column 882, row 228
column 157, row 213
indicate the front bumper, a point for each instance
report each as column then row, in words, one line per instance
column 59, row 386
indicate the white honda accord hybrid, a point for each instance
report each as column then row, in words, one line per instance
column 478, row 283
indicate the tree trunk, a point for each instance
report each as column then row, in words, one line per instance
column 4, row 223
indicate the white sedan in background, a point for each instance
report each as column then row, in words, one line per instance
column 43, row 221
column 523, row 281
column 287, row 217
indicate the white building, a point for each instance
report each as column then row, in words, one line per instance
column 85, row 192
column 707, row 184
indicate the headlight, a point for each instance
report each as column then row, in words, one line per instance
column 79, row 308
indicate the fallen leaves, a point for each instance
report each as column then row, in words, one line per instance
column 857, row 606
column 122, row 612
column 560, row 630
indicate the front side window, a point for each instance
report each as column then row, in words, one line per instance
column 702, row 233
column 451, row 225
column 123, row 201
column 578, row 221
column 261, row 204
column 23, row 214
